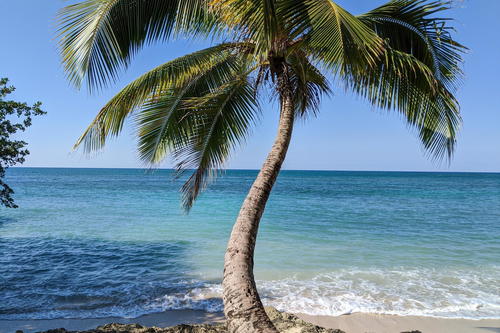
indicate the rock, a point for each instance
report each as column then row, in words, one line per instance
column 290, row 323
column 219, row 328
column 136, row 328
column 284, row 322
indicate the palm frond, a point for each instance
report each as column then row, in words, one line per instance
column 97, row 38
column 199, row 124
column 110, row 119
column 308, row 84
column 225, row 119
column 251, row 20
column 411, row 26
column 331, row 34
column 419, row 71
column 158, row 122
column 402, row 82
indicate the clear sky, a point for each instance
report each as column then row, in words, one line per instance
column 347, row 135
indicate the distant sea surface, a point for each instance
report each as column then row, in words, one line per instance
column 115, row 242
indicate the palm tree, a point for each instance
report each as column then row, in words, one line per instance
column 197, row 108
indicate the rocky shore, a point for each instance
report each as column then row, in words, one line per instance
column 284, row 322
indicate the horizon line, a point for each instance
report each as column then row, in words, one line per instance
column 243, row 169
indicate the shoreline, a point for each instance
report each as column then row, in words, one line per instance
column 385, row 323
column 350, row 323
column 159, row 319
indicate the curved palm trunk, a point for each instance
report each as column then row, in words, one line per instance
column 242, row 305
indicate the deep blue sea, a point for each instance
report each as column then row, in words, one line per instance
column 102, row 242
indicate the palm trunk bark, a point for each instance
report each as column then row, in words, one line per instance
column 242, row 305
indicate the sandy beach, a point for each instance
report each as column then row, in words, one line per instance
column 354, row 323
column 375, row 323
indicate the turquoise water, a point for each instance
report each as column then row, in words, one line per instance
column 101, row 242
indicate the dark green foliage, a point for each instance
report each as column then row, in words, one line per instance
column 14, row 117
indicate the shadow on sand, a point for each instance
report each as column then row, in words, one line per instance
column 491, row 329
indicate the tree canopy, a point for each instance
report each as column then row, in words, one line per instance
column 14, row 117
column 400, row 56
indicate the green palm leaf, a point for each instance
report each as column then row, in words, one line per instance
column 110, row 119
column 331, row 34
column 411, row 26
column 225, row 118
column 99, row 37
column 199, row 123
column 251, row 20
column 309, row 85
column 418, row 72
column 160, row 128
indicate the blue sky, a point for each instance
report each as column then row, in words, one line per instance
column 347, row 135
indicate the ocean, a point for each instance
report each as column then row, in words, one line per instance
column 89, row 243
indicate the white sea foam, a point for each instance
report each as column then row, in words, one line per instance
column 420, row 292
column 401, row 292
